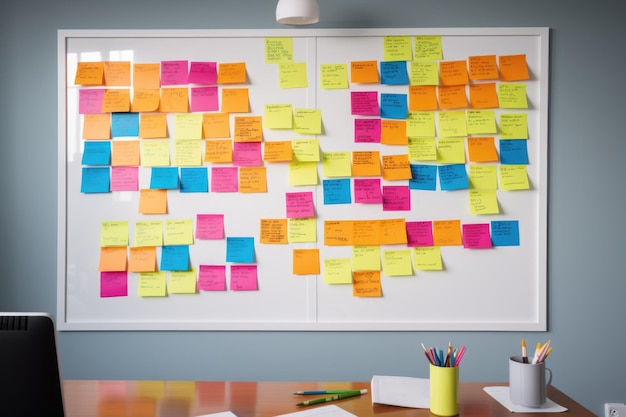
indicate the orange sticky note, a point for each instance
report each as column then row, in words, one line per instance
column 153, row 201
column 235, row 100
column 89, row 73
column 218, row 151
column 143, row 259
column 483, row 67
column 97, row 126
column 117, row 73
column 393, row 132
column 231, row 73
column 338, row 232
column 125, row 153
column 447, row 233
column 513, row 67
column 145, row 100
column 152, row 126
column 481, row 149
column 273, row 231
column 365, row 232
column 392, row 232
column 277, row 151
column 112, row 258
column 215, row 125
column 364, row 72
column 146, row 76
column 248, row 129
column 366, row 284
column 453, row 73
column 174, row 100
column 452, row 97
column 253, row 180
column 116, row 100
column 483, row 96
column 396, row 167
column 366, row 164
column 422, row 97
column 306, row 261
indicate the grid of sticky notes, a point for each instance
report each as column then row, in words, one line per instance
column 444, row 127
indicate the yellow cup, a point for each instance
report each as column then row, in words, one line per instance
column 444, row 390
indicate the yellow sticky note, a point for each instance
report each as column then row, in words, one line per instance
column 483, row 202
column 188, row 152
column 97, row 126
column 333, row 76
column 117, row 73
column 277, row 151
column 336, row 164
column 125, row 153
column 273, row 231
column 153, row 201
column 188, row 126
column 514, row 126
column 366, row 258
column 428, row 48
column 152, row 125
column 145, row 100
column 481, row 149
column 483, row 177
column 215, row 125
column 397, row 263
column 235, row 100
column 89, row 73
column 152, row 284
column 148, row 233
column 303, row 173
column 512, row 96
column 278, row 116
column 396, row 167
column 178, row 232
column 364, row 72
column 182, row 282
column 420, row 124
column 366, row 164
column 292, row 75
column 308, row 121
column 513, row 177
column 174, row 100
column 302, row 230
column 218, row 151
column 451, row 150
column 423, row 73
column 142, row 259
column 481, row 122
column 452, row 124
column 114, row 233
column 155, row 153
column 116, row 100
column 278, row 50
column 231, row 73
column 146, row 76
column 427, row 258
column 366, row 284
column 447, row 232
column 397, row 48
column 337, row 271
column 306, row 150
column 248, row 129
column 306, row 261
column 252, row 180
column 422, row 149
column 113, row 259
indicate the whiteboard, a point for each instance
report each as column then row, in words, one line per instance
column 498, row 289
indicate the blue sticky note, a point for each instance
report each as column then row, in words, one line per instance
column 394, row 73
column 194, row 180
column 514, row 151
column 423, row 177
column 337, row 191
column 240, row 249
column 453, row 177
column 505, row 233
column 97, row 153
column 393, row 106
column 164, row 178
column 124, row 124
column 175, row 258
column 95, row 180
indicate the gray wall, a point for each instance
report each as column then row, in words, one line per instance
column 587, row 287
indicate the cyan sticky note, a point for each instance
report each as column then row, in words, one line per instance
column 453, row 177
column 394, row 73
column 97, row 153
column 505, row 233
column 124, row 124
column 514, row 151
column 175, row 258
column 194, row 180
column 423, row 177
column 164, row 178
column 393, row 106
column 337, row 191
column 240, row 249
column 95, row 180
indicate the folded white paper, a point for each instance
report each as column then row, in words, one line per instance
column 402, row 391
column 501, row 394
column 325, row 411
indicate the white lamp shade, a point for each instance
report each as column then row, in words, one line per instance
column 297, row 12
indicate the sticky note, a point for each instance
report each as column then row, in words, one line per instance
column 278, row 116
column 247, row 154
column 125, row 153
column 306, row 261
column 299, row 204
column 513, row 177
column 124, row 178
column 483, row 177
column 447, row 232
column 165, row 178
column 453, row 72
column 396, row 167
column 427, row 48
column 366, row 284
column 215, row 125
column 142, row 259
column 277, row 151
column 152, row 284
column 174, row 72
column 365, row 232
column 201, row 72
column 273, row 231
column 366, row 258
column 505, row 233
column 337, row 191
column 174, row 100
column 422, row 149
column 333, row 76
column 240, row 249
column 364, row 72
column 178, row 232
column 423, row 177
column 278, row 50
column 393, row 106
column 337, row 271
column 452, row 123
column 148, row 233
column 396, row 198
column 113, row 284
column 235, row 100
column 512, row 96
column 451, row 151
column 95, row 180
column 451, row 97
column 394, row 73
column 367, row 130
column 302, row 230
column 397, row 48
column 392, row 231
column 187, row 152
column 124, row 124
column 204, row 99
column 153, row 201
column 424, row 73
column 364, row 103
column 427, row 258
column 419, row 233
column 252, row 180
column 423, row 97
column 182, row 282
column 481, row 122
column 338, row 232
column 97, row 153
column 483, row 96
column 212, row 278
column 452, row 177
column 248, row 129
column 307, row 121
column 174, row 258
column 194, row 180
column 117, row 73
column 513, row 152
column 89, row 73
column 113, row 258
column 481, row 149
column 218, row 151
column 366, row 164
column 303, row 173
column 146, row 76
column 306, row 150
column 513, row 67
column 231, row 73
column 243, row 278
column 90, row 100
column 114, row 233
column 224, row 179
column 96, row 126
column 476, row 236
column 152, row 126
column 397, row 263
column 482, row 67
column 393, row 132
column 483, row 202
column 367, row 191
column 145, row 100
column 292, row 75
column 513, row 126
column 209, row 226
column 336, row 164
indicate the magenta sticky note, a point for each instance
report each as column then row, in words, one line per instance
column 243, row 278
column 367, row 191
column 113, row 284
column 174, row 72
column 247, row 154
column 202, row 73
column 300, row 205
column 204, row 99
column 419, row 233
column 476, row 236
column 124, row 178
column 396, row 198
column 209, row 226
column 212, row 278
column 90, row 100
column 364, row 103
column 367, row 130
column 224, row 179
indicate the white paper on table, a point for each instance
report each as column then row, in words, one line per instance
column 222, row 414
column 401, row 391
column 325, row 411
column 501, row 394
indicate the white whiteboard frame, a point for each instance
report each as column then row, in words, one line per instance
column 536, row 323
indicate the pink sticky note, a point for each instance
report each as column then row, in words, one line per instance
column 367, row 191
column 364, row 103
column 243, row 278
column 396, row 198
column 419, row 233
column 113, row 284
column 90, row 100
column 209, row 226
column 124, row 178
column 174, row 72
column 247, row 154
column 367, row 130
column 224, row 179
column 202, row 73
column 204, row 99
column 476, row 236
column 300, row 205
column 212, row 278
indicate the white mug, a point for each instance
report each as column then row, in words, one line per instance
column 528, row 382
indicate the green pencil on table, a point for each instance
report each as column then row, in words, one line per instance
column 339, row 396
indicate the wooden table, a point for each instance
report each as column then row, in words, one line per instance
column 262, row 399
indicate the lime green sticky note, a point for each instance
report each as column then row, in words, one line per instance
column 513, row 177
column 303, row 173
column 451, row 150
column 483, row 177
column 366, row 258
column 333, row 76
column 424, row 73
column 420, row 124
column 481, row 122
column 306, row 150
column 148, row 233
column 188, row 126
column 514, row 126
column 178, row 232
column 292, row 75
column 152, row 284
column 397, row 262
column 188, row 152
column 278, row 116
column 278, row 50
column 307, row 121
column 155, row 153
column 483, row 202
column 428, row 48
column 422, row 149
column 336, row 164
column 512, row 96
column 182, row 282
column 452, row 124
column 337, row 271
column 427, row 258
column 397, row 48
column 302, row 230
column 114, row 233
